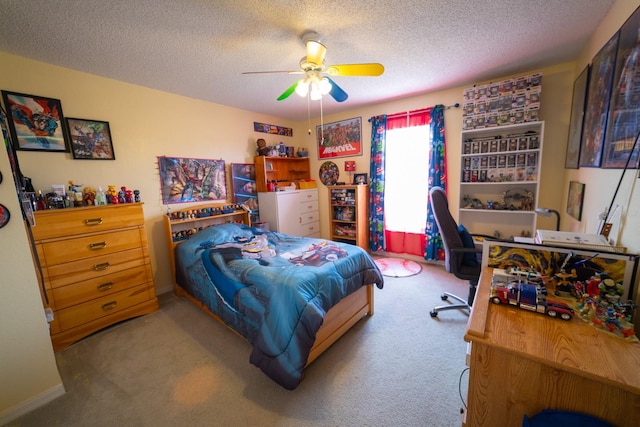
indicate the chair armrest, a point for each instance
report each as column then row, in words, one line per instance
column 457, row 253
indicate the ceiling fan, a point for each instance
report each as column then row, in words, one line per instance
column 316, row 81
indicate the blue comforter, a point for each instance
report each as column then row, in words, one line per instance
column 272, row 288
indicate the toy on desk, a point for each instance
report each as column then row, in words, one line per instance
column 526, row 295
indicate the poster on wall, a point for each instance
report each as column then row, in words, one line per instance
column 598, row 95
column 243, row 178
column 185, row 180
column 623, row 122
column 340, row 139
column 577, row 119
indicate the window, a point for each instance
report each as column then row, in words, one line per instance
column 406, row 179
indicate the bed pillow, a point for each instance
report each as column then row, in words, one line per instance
column 470, row 258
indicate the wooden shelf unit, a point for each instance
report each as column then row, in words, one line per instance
column 349, row 214
column 283, row 170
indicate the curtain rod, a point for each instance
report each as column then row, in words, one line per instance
column 420, row 111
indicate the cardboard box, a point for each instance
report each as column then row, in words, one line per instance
column 307, row 184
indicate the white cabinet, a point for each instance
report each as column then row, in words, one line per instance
column 500, row 177
column 291, row 212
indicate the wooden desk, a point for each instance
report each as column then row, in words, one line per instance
column 522, row 362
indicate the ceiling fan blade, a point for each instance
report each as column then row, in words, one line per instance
column 370, row 69
column 336, row 91
column 274, row 72
column 315, row 52
column 289, row 91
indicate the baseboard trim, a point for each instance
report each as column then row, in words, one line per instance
column 31, row 404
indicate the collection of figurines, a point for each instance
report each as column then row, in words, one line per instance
column 597, row 300
column 517, row 201
column 91, row 196
column 205, row 212
column 278, row 150
column 177, row 236
column 76, row 196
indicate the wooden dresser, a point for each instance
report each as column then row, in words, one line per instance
column 96, row 268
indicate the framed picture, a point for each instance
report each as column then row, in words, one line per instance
column 598, row 95
column 243, row 178
column 623, row 123
column 575, row 199
column 360, row 178
column 184, row 180
column 36, row 123
column 577, row 119
column 90, row 139
column 340, row 139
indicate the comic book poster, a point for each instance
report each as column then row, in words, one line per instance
column 185, row 180
column 340, row 139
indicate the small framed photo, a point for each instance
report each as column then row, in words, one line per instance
column 90, row 139
column 36, row 123
column 360, row 178
column 575, row 199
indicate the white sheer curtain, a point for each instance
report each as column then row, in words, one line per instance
column 406, row 185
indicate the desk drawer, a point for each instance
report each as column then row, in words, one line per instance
column 101, row 307
column 90, row 268
column 77, row 293
column 56, row 252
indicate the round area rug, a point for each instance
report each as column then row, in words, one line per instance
column 397, row 267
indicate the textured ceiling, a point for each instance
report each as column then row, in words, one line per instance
column 199, row 48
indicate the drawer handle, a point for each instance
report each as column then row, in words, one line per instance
column 110, row 305
column 101, row 266
column 99, row 245
column 93, row 221
column 105, row 286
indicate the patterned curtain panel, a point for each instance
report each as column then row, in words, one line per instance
column 376, row 184
column 434, row 249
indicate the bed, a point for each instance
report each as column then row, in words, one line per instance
column 290, row 297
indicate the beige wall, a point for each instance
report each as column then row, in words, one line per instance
column 28, row 374
column 146, row 123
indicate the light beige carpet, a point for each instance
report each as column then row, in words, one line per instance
column 179, row 367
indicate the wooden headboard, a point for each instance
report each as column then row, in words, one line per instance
column 181, row 223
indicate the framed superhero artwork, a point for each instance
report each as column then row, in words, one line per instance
column 36, row 123
column 90, row 139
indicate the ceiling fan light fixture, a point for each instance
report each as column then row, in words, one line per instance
column 315, row 93
column 325, row 86
column 303, row 87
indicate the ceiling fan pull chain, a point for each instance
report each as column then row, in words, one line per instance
column 309, row 113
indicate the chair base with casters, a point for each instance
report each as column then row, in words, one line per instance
column 444, row 297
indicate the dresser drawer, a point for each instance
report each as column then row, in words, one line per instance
column 75, row 221
column 101, row 307
column 91, row 268
column 308, row 206
column 309, row 217
column 77, row 293
column 56, row 252
column 308, row 195
column 311, row 229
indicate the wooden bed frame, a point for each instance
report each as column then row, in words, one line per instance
column 338, row 320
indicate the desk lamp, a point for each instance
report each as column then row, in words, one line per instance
column 547, row 212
